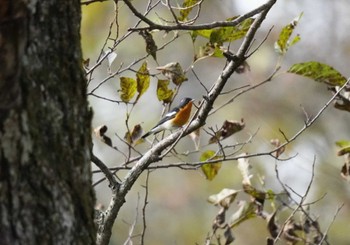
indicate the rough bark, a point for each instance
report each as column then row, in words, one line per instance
column 45, row 179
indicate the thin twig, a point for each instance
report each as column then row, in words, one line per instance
column 145, row 202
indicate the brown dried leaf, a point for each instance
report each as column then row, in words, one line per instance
column 228, row 128
column 135, row 134
column 151, row 47
column 100, row 133
column 174, row 72
column 219, row 219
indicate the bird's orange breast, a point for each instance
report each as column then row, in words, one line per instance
column 183, row 115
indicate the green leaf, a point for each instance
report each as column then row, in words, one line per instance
column 224, row 198
column 217, row 52
column 143, row 80
column 246, row 211
column 345, row 147
column 224, row 34
column 203, row 33
column 231, row 33
column 163, row 92
column 283, row 42
column 210, row 170
column 128, row 88
column 318, row 72
column 187, row 7
column 295, row 40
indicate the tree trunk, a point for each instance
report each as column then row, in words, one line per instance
column 45, row 179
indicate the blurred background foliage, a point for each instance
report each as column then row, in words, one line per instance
column 177, row 210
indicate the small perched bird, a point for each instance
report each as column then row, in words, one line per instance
column 175, row 118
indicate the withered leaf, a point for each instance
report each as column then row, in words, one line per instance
column 151, row 47
column 174, row 72
column 228, row 128
column 135, row 134
column 219, row 219
column 100, row 133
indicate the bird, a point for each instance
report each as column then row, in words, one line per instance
column 175, row 118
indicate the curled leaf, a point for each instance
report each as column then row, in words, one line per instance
column 219, row 219
column 224, row 198
column 100, row 133
column 151, row 47
column 135, row 134
column 283, row 43
column 228, row 128
column 174, row 72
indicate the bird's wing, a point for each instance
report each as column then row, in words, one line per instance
column 171, row 114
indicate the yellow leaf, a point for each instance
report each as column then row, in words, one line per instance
column 163, row 92
column 142, row 79
column 210, row 170
column 128, row 88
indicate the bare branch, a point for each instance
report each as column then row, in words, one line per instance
column 145, row 202
column 236, row 21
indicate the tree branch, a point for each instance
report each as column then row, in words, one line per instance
column 153, row 155
column 179, row 26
